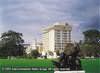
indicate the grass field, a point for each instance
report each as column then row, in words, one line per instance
column 26, row 63
column 89, row 65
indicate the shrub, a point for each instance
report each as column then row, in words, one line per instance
column 34, row 53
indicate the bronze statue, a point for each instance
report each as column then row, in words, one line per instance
column 69, row 58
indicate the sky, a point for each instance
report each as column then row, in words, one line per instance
column 30, row 16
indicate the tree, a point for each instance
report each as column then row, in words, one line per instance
column 34, row 53
column 92, row 36
column 91, row 45
column 11, row 44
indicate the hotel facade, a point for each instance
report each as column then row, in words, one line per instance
column 56, row 37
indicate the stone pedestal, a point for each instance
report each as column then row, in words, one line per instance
column 69, row 72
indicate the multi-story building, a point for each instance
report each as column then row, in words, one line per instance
column 56, row 37
column 34, row 46
column 31, row 46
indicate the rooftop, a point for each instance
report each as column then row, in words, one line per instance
column 58, row 26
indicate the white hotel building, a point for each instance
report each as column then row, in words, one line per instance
column 56, row 37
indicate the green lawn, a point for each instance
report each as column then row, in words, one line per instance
column 89, row 65
column 26, row 63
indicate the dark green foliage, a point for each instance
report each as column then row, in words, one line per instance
column 34, row 53
column 92, row 36
column 91, row 45
column 11, row 44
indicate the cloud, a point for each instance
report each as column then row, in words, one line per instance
column 32, row 15
column 1, row 23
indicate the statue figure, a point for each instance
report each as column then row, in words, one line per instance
column 69, row 58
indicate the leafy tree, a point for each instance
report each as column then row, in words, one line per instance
column 92, row 36
column 91, row 45
column 11, row 44
column 34, row 53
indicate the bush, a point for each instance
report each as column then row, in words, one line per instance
column 34, row 53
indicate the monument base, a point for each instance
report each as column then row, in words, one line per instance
column 69, row 72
